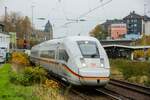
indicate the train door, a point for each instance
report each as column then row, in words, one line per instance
column 62, row 61
column 57, row 65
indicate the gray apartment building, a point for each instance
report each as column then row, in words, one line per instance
column 134, row 23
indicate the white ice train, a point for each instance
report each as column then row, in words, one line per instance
column 80, row 60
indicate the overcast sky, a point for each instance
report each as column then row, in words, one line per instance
column 57, row 11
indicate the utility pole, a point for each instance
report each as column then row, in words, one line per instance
column 5, row 12
column 32, row 8
column 32, row 11
column 5, row 20
column 32, row 22
column 145, row 9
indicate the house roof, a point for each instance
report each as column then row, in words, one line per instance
column 146, row 18
column 108, row 22
column 133, row 15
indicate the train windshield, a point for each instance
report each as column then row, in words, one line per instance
column 88, row 49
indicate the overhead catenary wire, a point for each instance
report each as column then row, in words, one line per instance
column 71, row 21
column 91, row 10
column 63, row 10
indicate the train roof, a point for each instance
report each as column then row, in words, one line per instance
column 65, row 39
column 77, row 38
column 70, row 38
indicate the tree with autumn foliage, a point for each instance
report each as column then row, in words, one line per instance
column 14, row 22
column 145, row 40
column 98, row 32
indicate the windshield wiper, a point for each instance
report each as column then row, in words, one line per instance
column 93, row 55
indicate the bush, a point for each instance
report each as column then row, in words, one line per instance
column 148, row 53
column 19, row 78
column 133, row 70
column 29, row 76
column 36, row 74
column 138, row 54
column 20, row 58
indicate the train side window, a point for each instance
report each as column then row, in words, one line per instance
column 34, row 53
column 51, row 54
column 48, row 54
column 63, row 55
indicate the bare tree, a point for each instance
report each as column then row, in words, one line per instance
column 14, row 22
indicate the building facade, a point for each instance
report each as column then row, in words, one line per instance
column 146, row 25
column 136, row 27
column 134, row 23
column 43, row 35
column 4, row 41
column 48, row 31
column 118, row 30
column 147, row 28
column 1, row 27
column 4, row 46
column 106, row 25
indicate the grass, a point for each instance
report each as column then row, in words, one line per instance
column 9, row 91
column 133, row 71
column 20, row 81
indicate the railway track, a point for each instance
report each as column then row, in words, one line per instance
column 80, row 93
column 122, row 90
column 131, row 86
column 115, row 90
column 68, row 88
column 83, row 96
column 109, row 93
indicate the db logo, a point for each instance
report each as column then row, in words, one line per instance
column 93, row 64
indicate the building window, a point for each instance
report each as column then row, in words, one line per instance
column 0, row 38
column 0, row 29
column 63, row 55
column 135, row 20
column 143, row 28
column 135, row 25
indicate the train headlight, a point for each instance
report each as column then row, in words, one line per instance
column 83, row 62
column 102, row 65
column 102, row 62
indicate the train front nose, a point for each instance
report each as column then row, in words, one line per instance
column 96, row 76
column 93, row 72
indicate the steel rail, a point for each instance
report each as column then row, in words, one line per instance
column 131, row 86
column 109, row 93
column 84, row 97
